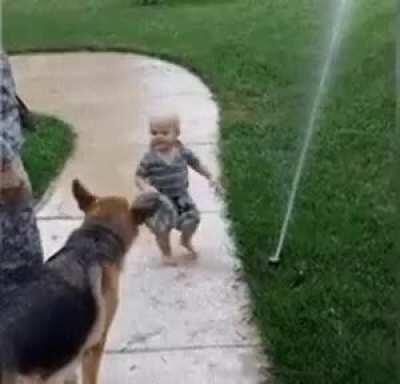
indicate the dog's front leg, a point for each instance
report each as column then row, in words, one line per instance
column 92, row 357
column 91, row 363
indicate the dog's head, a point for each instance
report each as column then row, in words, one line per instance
column 116, row 212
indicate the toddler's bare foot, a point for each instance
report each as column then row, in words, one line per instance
column 192, row 256
column 192, row 253
column 169, row 261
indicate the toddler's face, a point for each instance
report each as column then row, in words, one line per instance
column 163, row 135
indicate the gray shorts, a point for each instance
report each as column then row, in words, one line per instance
column 177, row 212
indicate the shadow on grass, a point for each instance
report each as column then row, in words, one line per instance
column 45, row 151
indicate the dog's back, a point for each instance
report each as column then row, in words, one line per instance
column 62, row 311
column 47, row 319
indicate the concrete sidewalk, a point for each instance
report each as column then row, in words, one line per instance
column 184, row 325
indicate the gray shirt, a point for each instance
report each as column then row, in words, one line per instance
column 170, row 179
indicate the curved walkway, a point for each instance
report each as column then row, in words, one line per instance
column 184, row 325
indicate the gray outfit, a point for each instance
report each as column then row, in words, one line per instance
column 177, row 208
column 20, row 246
column 10, row 129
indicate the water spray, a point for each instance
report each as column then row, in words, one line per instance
column 342, row 13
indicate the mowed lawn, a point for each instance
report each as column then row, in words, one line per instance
column 45, row 150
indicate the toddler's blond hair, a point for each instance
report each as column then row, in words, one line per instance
column 170, row 121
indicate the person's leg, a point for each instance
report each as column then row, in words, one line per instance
column 186, row 239
column 188, row 223
column 20, row 246
column 20, row 234
column 164, row 243
column 161, row 224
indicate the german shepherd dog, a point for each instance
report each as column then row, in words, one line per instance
column 62, row 314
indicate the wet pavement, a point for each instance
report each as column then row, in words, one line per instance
column 181, row 325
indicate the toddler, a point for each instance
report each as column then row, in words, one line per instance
column 164, row 168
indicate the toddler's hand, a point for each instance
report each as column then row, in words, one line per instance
column 150, row 189
column 4, row 167
column 216, row 186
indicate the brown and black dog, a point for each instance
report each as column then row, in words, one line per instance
column 62, row 314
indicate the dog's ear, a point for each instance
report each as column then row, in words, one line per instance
column 83, row 197
column 144, row 206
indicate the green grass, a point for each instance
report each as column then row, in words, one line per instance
column 45, row 151
column 324, row 312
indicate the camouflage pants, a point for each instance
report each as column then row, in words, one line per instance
column 20, row 246
column 178, row 213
